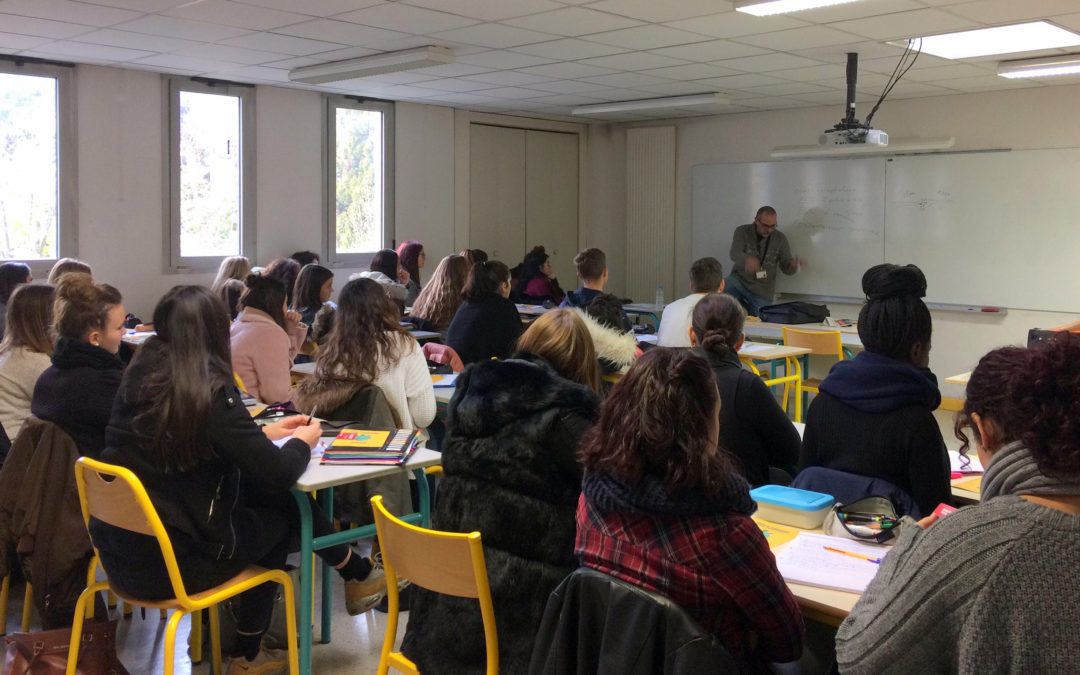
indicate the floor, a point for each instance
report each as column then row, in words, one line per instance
column 141, row 642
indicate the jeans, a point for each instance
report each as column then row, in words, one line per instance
column 734, row 287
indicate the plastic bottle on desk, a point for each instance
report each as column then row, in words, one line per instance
column 659, row 298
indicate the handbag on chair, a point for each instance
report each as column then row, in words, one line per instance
column 46, row 652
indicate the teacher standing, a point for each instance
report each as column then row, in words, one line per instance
column 759, row 250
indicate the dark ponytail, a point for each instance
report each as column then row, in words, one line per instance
column 718, row 323
column 265, row 294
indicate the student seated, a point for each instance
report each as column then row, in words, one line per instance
column 284, row 270
column 662, row 507
column 990, row 588
column 266, row 337
column 874, row 415
column 537, row 284
column 314, row 288
column 367, row 345
column 12, row 275
column 233, row 267
column 217, row 480
column 25, row 352
column 305, row 258
column 412, row 257
column 65, row 265
column 437, row 303
column 386, row 271
column 615, row 347
column 706, row 276
column 510, row 472
column 753, row 427
column 77, row 391
column 592, row 271
column 230, row 293
column 487, row 324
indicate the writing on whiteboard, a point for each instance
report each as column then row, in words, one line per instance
column 924, row 202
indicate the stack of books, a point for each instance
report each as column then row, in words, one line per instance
column 367, row 446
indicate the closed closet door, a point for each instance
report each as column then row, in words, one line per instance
column 551, row 199
column 497, row 192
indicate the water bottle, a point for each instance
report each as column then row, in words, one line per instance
column 659, row 298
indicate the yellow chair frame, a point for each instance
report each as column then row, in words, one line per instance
column 820, row 343
column 123, row 502
column 28, row 603
column 443, row 562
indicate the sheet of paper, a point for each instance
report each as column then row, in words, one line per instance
column 806, row 560
column 777, row 535
column 755, row 348
column 973, row 484
column 316, row 452
column 956, row 464
column 444, row 380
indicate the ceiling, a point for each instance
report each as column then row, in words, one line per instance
column 536, row 57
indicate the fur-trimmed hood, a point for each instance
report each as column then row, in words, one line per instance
column 614, row 346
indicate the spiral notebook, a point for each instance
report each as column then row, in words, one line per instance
column 371, row 446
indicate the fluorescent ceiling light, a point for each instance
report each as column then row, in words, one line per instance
column 1020, row 37
column 666, row 103
column 376, row 64
column 770, row 7
column 901, row 146
column 1066, row 64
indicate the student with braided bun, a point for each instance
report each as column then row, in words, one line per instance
column 753, row 427
column 991, row 588
column 874, row 415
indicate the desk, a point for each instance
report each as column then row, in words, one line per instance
column 761, row 352
column 532, row 310
column 644, row 309
column 849, row 335
column 824, row 605
column 961, row 378
column 323, row 478
column 136, row 338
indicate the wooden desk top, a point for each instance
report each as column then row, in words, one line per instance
column 849, row 335
column 763, row 351
column 318, row 476
column 961, row 378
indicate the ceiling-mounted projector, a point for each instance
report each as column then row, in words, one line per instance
column 849, row 130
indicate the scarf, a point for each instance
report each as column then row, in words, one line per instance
column 608, row 493
column 1013, row 471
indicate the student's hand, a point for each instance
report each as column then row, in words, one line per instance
column 928, row 521
column 751, row 265
column 144, row 327
column 310, row 432
column 292, row 316
column 284, row 427
column 403, row 276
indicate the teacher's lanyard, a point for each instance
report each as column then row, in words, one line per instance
column 765, row 253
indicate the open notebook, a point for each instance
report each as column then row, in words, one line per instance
column 808, row 560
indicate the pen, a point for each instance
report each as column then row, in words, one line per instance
column 312, row 415
column 860, row 556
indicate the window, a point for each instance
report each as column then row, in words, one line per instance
column 37, row 164
column 360, row 203
column 211, row 173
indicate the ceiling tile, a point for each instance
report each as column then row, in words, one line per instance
column 189, row 64
column 407, row 77
column 565, row 99
column 235, row 14
column 451, row 70
column 735, row 24
column 253, row 74
column 905, row 24
column 98, row 52
column 990, row 83
column 296, row 62
column 129, row 40
column 858, row 10
column 789, row 89
column 918, row 90
column 488, row 10
column 283, row 44
column 741, row 81
column 309, row 7
column 812, row 73
column 622, row 94
column 347, row 53
column 343, row 32
column 564, row 86
column 454, row 84
column 573, row 21
column 15, row 42
column 801, row 38
column 956, row 70
column 494, row 35
column 625, row 80
column 647, row 37
column 64, row 10
column 838, row 99
column 659, row 11
column 230, row 54
column 691, row 71
column 465, row 99
column 181, row 28
column 838, row 53
column 508, row 78
column 766, row 62
column 503, row 59
column 25, row 25
column 406, row 19
column 569, row 49
column 711, row 50
column 513, row 92
column 141, row 5
column 677, row 88
column 1008, row 11
column 772, row 103
column 568, row 71
column 887, row 65
column 633, row 61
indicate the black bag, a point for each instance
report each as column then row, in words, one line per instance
column 794, row 312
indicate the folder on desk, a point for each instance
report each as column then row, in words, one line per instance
column 371, row 446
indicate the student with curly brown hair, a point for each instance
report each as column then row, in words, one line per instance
column 991, row 588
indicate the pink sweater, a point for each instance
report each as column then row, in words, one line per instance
column 262, row 355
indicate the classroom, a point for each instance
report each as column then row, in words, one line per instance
column 628, row 138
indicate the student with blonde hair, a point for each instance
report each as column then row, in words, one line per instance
column 439, row 300
column 65, row 265
column 234, row 267
column 512, row 432
column 24, row 352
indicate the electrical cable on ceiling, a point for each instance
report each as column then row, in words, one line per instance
column 898, row 73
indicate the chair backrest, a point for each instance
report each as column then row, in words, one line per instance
column 450, row 563
column 821, row 342
column 114, row 495
column 594, row 622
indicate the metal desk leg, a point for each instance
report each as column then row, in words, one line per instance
column 306, row 573
column 326, row 500
column 425, row 497
column 798, row 389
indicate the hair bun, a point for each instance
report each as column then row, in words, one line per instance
column 76, row 286
column 715, row 339
column 885, row 281
column 251, row 279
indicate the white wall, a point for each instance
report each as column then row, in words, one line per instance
column 1020, row 119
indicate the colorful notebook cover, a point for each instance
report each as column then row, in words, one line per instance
column 364, row 446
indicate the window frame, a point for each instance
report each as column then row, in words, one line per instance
column 175, row 263
column 67, row 158
column 333, row 103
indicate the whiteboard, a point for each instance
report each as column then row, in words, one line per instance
column 999, row 228
column 987, row 228
column 832, row 211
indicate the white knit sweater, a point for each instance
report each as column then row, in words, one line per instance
column 19, row 372
column 407, row 385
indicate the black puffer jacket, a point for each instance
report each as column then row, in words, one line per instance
column 510, row 472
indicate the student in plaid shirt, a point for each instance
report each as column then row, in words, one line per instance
column 662, row 507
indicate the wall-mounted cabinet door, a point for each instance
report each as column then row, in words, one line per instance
column 497, row 192
column 551, row 199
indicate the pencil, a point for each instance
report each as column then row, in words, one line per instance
column 860, row 556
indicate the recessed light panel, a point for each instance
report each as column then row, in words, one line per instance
column 1020, row 37
column 770, row 7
